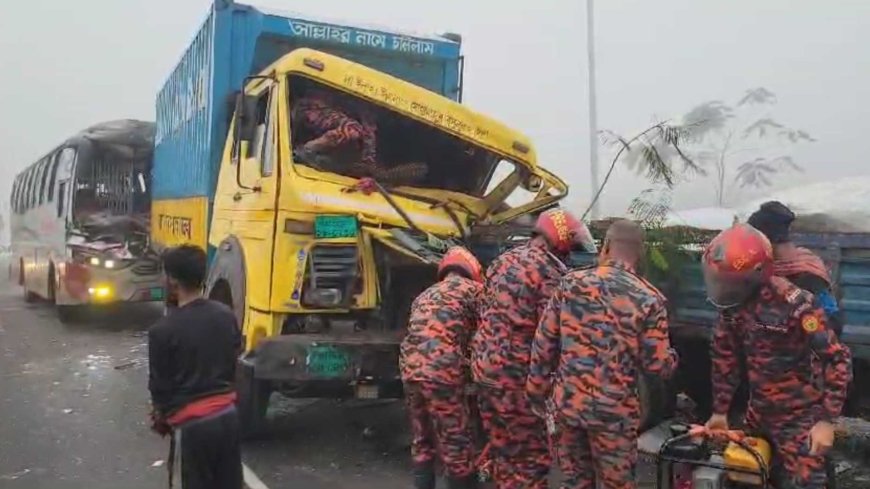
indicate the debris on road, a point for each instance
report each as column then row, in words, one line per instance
column 15, row 475
column 158, row 463
column 125, row 366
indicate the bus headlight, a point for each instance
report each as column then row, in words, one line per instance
column 109, row 264
column 94, row 261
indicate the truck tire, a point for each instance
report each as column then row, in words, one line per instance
column 252, row 401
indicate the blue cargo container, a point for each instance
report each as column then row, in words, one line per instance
column 235, row 41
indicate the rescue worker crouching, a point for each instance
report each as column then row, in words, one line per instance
column 192, row 356
column 434, row 367
column 798, row 370
column 518, row 286
column 604, row 327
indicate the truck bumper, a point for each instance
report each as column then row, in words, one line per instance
column 321, row 366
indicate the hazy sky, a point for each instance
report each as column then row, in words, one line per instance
column 67, row 65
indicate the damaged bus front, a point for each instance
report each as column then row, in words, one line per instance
column 320, row 253
column 80, row 220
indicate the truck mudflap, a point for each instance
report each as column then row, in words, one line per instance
column 362, row 365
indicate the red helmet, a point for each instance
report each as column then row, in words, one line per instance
column 735, row 263
column 459, row 258
column 564, row 232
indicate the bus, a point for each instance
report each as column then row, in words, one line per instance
column 79, row 220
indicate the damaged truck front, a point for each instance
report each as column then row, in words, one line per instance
column 320, row 255
column 81, row 217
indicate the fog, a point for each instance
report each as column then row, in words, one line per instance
column 67, row 65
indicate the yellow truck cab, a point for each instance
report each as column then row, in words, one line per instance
column 320, row 270
column 319, row 251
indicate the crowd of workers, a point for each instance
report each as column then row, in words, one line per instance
column 554, row 355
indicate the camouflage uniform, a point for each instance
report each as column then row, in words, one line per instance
column 603, row 328
column 798, row 374
column 333, row 128
column 434, row 367
column 518, row 285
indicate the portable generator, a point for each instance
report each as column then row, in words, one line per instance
column 697, row 458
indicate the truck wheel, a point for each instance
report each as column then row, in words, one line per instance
column 252, row 401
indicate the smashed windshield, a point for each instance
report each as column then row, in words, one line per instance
column 337, row 132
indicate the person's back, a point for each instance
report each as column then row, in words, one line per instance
column 611, row 324
column 202, row 343
column 518, row 285
column 602, row 327
column 192, row 356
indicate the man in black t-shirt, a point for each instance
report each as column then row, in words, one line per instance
column 192, row 356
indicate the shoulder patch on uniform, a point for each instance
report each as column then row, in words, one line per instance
column 810, row 323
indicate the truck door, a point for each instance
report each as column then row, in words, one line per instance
column 249, row 202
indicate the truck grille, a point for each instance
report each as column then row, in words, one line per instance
column 333, row 267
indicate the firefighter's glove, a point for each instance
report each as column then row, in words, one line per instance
column 821, row 438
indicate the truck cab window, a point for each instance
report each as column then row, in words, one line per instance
column 267, row 159
column 256, row 147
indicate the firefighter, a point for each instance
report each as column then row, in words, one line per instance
column 798, row 371
column 603, row 328
column 434, row 367
column 518, row 285
column 192, row 360
column 799, row 265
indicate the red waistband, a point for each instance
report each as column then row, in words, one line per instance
column 202, row 408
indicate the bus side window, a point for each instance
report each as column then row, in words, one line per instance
column 44, row 167
column 52, row 175
column 13, row 200
column 61, row 199
column 28, row 196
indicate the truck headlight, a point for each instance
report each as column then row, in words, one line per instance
column 322, row 297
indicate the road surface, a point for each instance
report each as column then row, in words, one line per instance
column 73, row 401
column 73, row 414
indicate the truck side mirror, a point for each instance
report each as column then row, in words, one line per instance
column 246, row 117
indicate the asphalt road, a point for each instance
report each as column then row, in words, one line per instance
column 73, row 409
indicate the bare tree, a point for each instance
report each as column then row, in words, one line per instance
column 720, row 136
column 653, row 153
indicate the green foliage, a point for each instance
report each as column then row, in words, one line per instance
column 669, row 248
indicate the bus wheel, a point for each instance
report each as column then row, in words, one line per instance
column 252, row 402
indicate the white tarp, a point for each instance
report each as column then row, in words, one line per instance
column 709, row 218
column 838, row 206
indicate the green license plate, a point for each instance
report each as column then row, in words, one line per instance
column 156, row 293
column 326, row 361
column 335, row 227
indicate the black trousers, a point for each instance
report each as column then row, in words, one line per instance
column 210, row 452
